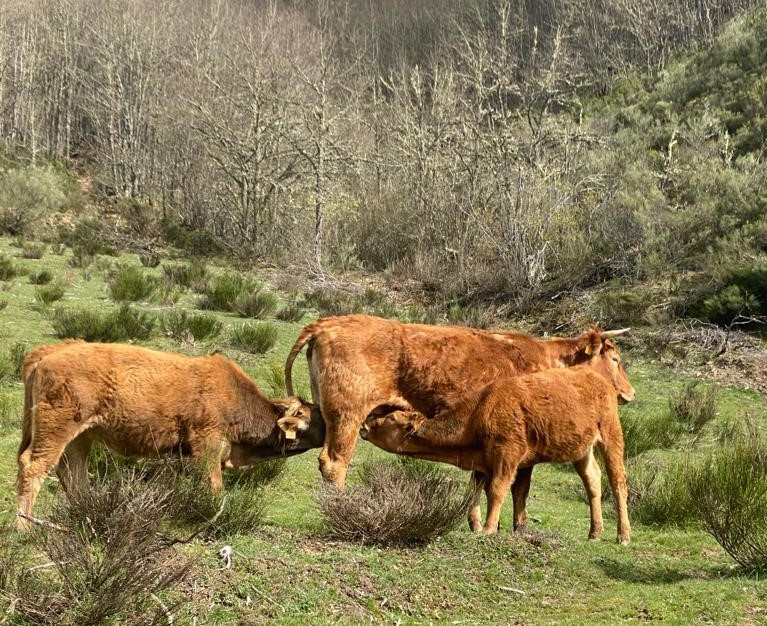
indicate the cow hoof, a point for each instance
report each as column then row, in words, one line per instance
column 623, row 541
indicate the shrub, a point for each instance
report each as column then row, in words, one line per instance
column 658, row 495
column 642, row 432
column 32, row 251
column 255, row 338
column 7, row 268
column 186, row 275
column 181, row 325
column 108, row 564
column 118, row 325
column 729, row 491
column 290, row 312
column 3, row 304
column 393, row 506
column 17, row 353
column 91, row 236
column 620, row 308
column 149, row 259
column 81, row 258
column 258, row 304
column 46, row 294
column 43, row 277
column 130, row 284
column 222, row 292
column 473, row 316
column 241, row 502
column 9, row 413
column 26, row 195
column 333, row 301
column 694, row 407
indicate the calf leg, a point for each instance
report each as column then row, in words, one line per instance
column 475, row 513
column 588, row 470
column 497, row 490
column 208, row 451
column 519, row 491
column 612, row 450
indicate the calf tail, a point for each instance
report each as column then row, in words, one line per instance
column 27, row 422
column 307, row 335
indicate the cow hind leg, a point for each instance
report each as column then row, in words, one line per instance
column 72, row 468
column 40, row 457
column 475, row 512
column 519, row 491
column 588, row 470
column 340, row 442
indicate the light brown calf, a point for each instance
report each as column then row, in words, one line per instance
column 513, row 424
column 142, row 402
column 360, row 365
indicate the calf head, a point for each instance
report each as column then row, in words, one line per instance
column 602, row 355
column 390, row 430
column 301, row 424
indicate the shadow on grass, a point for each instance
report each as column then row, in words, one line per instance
column 652, row 574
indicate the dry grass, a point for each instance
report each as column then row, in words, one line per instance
column 393, row 505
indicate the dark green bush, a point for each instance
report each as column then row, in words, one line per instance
column 223, row 292
column 7, row 268
column 256, row 338
column 130, row 284
column 181, row 325
column 193, row 240
column 658, row 493
column 90, row 236
column 620, row 308
column 290, row 312
column 643, row 432
column 729, row 491
column 26, row 196
column 737, row 292
column 186, row 275
column 149, row 259
column 258, row 304
column 92, row 325
column 43, row 277
column 32, row 251
column 333, row 301
column 47, row 294
column 694, row 407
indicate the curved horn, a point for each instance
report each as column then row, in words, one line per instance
column 607, row 334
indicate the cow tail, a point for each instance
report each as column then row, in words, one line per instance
column 307, row 335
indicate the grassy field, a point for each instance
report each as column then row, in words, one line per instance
column 289, row 572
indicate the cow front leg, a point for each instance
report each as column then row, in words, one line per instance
column 72, row 468
column 591, row 475
column 497, row 490
column 519, row 492
column 208, row 453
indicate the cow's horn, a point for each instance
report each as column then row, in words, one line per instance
column 607, row 334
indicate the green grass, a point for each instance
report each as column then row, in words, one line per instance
column 288, row 571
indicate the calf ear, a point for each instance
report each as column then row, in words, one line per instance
column 594, row 343
column 291, row 426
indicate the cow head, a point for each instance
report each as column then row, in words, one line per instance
column 601, row 354
column 301, row 423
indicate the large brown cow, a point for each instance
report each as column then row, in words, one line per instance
column 141, row 402
column 359, row 364
column 513, row 424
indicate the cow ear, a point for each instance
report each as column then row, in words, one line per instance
column 593, row 339
column 288, row 406
column 291, row 426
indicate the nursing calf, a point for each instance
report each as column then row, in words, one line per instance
column 141, row 402
column 513, row 424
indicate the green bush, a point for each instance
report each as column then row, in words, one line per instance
column 90, row 236
column 32, row 251
column 290, row 312
column 26, row 195
column 658, row 494
column 333, row 301
column 642, row 432
column 130, row 284
column 92, row 325
column 10, row 407
column 729, row 491
column 258, row 304
column 186, row 275
column 223, row 292
column 620, row 308
column 7, row 268
column 255, row 338
column 47, row 294
column 694, row 407
column 181, row 325
column 43, row 277
column 149, row 259
column 3, row 304
column 736, row 292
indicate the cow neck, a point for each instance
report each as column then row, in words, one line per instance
column 256, row 416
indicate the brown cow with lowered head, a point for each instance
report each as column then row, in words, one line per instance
column 141, row 402
column 514, row 423
column 360, row 364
